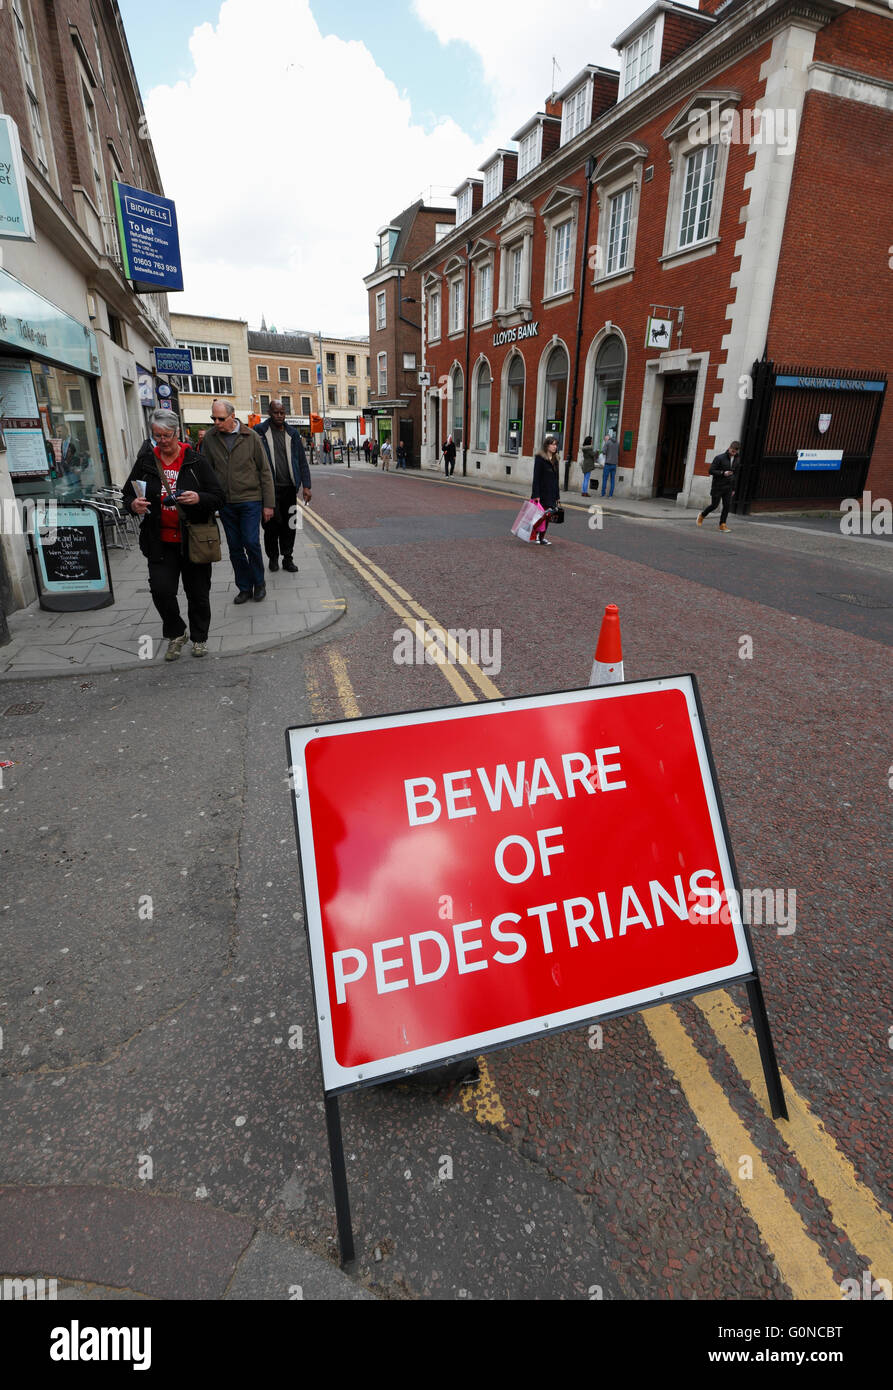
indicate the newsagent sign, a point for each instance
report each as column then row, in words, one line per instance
column 479, row 876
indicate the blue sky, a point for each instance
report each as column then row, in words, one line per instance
column 440, row 80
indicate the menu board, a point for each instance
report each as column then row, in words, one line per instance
column 71, row 560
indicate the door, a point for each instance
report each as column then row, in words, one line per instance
column 406, row 434
column 672, row 448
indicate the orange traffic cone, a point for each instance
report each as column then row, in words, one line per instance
column 607, row 666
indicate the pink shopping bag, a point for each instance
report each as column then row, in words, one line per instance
column 528, row 520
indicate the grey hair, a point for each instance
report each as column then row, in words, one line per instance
column 165, row 419
column 227, row 405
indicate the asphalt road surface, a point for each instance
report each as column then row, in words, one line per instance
column 156, row 999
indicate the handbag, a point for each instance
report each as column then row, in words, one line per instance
column 556, row 516
column 202, row 537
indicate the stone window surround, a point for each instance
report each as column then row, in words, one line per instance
column 483, row 253
column 620, row 167
column 432, row 284
column 517, row 227
column 681, row 144
column 562, row 204
column 510, row 357
column 473, row 422
column 453, row 270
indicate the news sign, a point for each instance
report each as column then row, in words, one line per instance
column 480, row 876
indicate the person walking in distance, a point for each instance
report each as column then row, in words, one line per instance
column 285, row 453
column 401, row 455
column 545, row 482
column 449, row 457
column 611, row 450
column 367, row 449
column 375, row 453
column 587, row 463
column 240, row 461
column 163, row 534
column 386, row 452
column 723, row 475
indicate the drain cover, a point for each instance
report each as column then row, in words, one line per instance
column 31, row 708
column 858, row 600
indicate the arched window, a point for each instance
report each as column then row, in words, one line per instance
column 458, row 400
column 484, row 381
column 515, row 403
column 609, row 368
column 556, row 393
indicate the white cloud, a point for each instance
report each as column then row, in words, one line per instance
column 284, row 152
column 517, row 39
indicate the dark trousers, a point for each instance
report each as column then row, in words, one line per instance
column 279, row 531
column 164, row 582
column 241, row 522
column 715, row 498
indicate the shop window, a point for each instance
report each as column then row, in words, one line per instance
column 484, row 386
column 610, row 364
column 457, row 398
column 556, row 393
column 514, row 406
column 59, row 454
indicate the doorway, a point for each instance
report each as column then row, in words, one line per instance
column 675, row 429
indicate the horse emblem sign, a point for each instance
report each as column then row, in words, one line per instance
column 660, row 333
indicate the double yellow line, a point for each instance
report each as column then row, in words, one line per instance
column 853, row 1206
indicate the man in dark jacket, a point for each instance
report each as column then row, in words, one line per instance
column 240, row 461
column 288, row 462
column 723, row 474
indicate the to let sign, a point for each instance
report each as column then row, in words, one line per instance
column 150, row 242
column 478, row 876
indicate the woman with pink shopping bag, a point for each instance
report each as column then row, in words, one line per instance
column 528, row 519
column 545, row 485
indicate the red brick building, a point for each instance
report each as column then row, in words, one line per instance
column 689, row 250
column 394, row 412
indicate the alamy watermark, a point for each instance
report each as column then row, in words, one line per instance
column 772, row 907
column 26, row 516
column 766, row 126
column 28, row 1290
column 866, row 516
column 454, row 646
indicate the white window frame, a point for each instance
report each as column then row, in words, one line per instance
column 382, row 366
column 351, row 395
column 515, row 235
column 576, row 111
column 454, row 279
column 263, row 372
column 287, row 377
column 475, row 414
column 633, row 74
column 699, row 179
column 561, row 207
column 435, row 299
column 483, row 258
column 700, row 124
column 96, row 160
column 410, row 362
column 33, row 85
column 492, row 181
column 463, row 204
column 441, row 229
column 618, row 172
column 619, row 216
column 530, row 150
column 381, row 310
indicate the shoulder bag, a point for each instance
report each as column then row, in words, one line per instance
column 202, row 537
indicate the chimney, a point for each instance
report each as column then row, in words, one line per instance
column 553, row 106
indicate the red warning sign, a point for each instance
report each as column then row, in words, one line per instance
column 481, row 875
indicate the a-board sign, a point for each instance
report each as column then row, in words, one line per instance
column 479, row 876
column 70, row 558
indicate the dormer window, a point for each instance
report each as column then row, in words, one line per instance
column 573, row 114
column 640, row 58
column 387, row 240
column 492, row 181
column 529, row 150
column 463, row 205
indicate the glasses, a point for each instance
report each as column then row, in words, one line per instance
column 217, row 419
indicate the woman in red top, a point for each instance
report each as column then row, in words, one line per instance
column 163, row 538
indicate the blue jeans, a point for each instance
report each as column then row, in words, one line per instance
column 241, row 522
column 612, row 474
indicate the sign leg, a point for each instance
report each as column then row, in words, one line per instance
column 777, row 1105
column 339, row 1180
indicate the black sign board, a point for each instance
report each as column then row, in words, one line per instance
column 70, row 557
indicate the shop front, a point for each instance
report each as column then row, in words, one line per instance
column 51, row 443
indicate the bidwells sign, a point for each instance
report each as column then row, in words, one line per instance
column 150, row 244
column 515, row 335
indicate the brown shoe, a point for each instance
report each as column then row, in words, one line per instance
column 723, row 526
column 700, row 519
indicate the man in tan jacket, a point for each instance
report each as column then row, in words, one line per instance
column 239, row 459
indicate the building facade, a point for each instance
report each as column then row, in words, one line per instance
column 344, row 395
column 283, row 365
column 220, row 367
column 76, row 365
column 683, row 251
column 395, row 329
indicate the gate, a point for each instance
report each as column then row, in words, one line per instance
column 782, row 417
